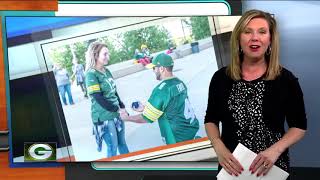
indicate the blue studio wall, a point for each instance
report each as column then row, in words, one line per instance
column 300, row 52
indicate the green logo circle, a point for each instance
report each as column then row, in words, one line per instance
column 40, row 151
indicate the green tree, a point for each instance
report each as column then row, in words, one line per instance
column 80, row 49
column 121, row 46
column 155, row 37
column 62, row 55
column 114, row 54
column 200, row 27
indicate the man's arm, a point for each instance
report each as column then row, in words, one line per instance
column 135, row 118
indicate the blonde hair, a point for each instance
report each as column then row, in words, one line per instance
column 272, row 59
column 92, row 54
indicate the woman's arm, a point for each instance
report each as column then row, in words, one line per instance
column 102, row 101
column 292, row 136
column 213, row 133
column 267, row 158
column 120, row 102
column 225, row 157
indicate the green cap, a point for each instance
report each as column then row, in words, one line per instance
column 162, row 59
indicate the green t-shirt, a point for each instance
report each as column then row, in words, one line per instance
column 97, row 81
column 169, row 104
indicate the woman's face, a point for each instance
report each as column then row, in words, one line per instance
column 103, row 57
column 255, row 39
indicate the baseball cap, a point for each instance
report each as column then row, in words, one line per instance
column 162, row 59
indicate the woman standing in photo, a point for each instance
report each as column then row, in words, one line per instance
column 105, row 102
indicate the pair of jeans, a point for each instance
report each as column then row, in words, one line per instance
column 63, row 89
column 83, row 88
column 114, row 137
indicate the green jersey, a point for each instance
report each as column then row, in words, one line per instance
column 97, row 81
column 169, row 104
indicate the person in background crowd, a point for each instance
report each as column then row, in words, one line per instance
column 78, row 73
column 63, row 83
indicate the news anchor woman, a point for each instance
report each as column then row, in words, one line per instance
column 253, row 97
column 105, row 102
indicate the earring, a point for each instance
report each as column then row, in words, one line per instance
column 240, row 50
column 268, row 52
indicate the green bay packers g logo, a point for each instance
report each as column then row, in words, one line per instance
column 40, row 151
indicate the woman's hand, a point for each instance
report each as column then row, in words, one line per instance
column 227, row 160
column 124, row 115
column 264, row 161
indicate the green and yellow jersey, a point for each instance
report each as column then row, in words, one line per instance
column 97, row 81
column 170, row 106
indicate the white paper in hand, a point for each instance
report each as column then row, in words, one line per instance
column 245, row 156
